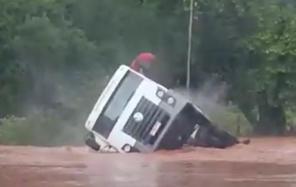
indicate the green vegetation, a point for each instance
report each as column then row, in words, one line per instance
column 56, row 55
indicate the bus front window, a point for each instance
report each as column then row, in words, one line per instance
column 117, row 103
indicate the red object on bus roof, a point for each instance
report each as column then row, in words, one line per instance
column 143, row 59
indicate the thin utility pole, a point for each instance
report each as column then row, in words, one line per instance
column 189, row 45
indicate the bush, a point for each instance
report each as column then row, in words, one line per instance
column 231, row 119
column 40, row 130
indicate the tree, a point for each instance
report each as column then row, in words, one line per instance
column 251, row 48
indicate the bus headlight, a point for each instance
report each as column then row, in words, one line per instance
column 171, row 100
column 160, row 93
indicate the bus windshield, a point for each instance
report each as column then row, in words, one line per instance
column 117, row 103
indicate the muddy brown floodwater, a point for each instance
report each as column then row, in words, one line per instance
column 265, row 162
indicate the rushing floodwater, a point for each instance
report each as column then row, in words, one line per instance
column 136, row 174
column 270, row 163
column 193, row 174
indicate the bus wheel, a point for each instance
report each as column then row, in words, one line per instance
column 127, row 148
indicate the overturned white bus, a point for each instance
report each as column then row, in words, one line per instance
column 136, row 114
